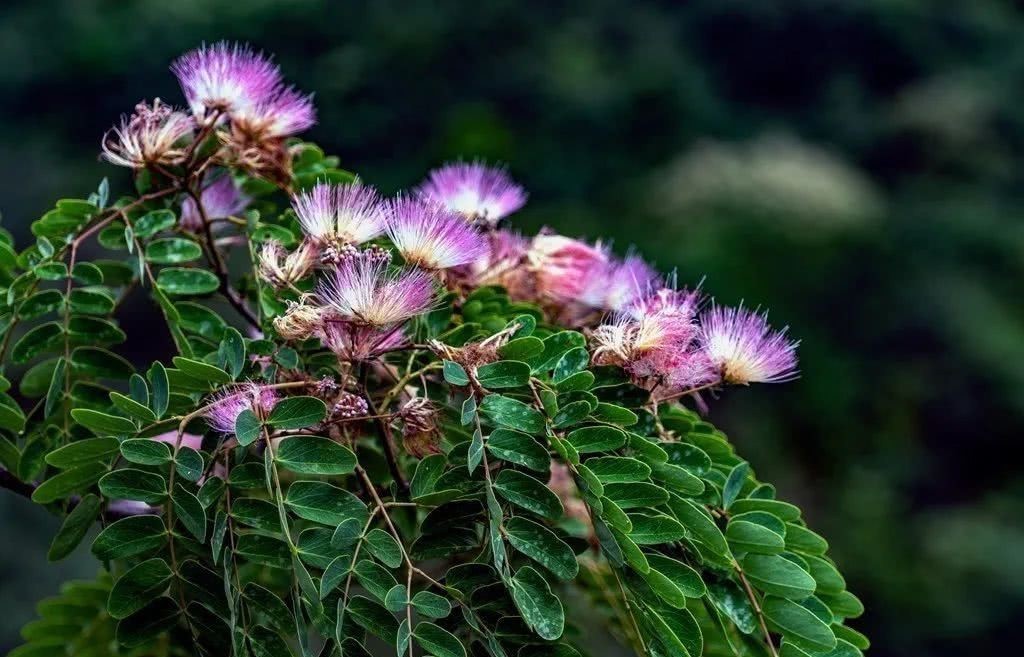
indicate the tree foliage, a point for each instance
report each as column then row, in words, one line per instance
column 272, row 489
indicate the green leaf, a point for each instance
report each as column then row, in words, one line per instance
column 130, row 536
column 75, row 527
column 685, row 578
column 82, row 452
column 41, row 303
column 128, row 405
column 102, row 423
column 618, row 469
column 784, row 511
column 521, row 349
column 519, row 448
column 182, row 282
column 384, row 546
column 138, row 587
column 678, row 479
column 325, row 504
column 202, row 371
column 145, row 451
column 132, row 484
column 613, row 414
column 543, row 546
column 475, row 453
column 654, row 529
column 596, row 439
column 636, row 494
column 570, row 363
column 428, row 470
column 11, row 417
column 231, row 352
column 248, row 427
column 438, row 641
column 143, row 626
column 531, row 494
column 40, row 339
column 734, row 483
column 375, row 578
column 503, row 374
column 269, row 606
column 87, row 273
column 68, row 482
column 454, row 373
column 512, row 413
column 315, row 455
column 431, row 605
column 756, row 531
column 257, row 513
column 297, row 413
column 172, row 250
column 189, row 463
column 801, row 539
column 190, row 512
column 100, row 363
column 778, row 576
column 396, row 600
column 730, row 600
column 265, row 642
column 541, row 609
column 797, row 624
column 373, row 618
column 699, row 524
column 91, row 302
column 468, row 413
column 153, row 222
column 570, row 414
column 161, row 389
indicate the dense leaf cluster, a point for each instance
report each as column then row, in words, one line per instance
column 306, row 531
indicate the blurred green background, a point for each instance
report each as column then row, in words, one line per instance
column 853, row 166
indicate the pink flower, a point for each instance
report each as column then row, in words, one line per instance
column 431, row 236
column 563, row 266
column 284, row 113
column 341, row 214
column 476, row 191
column 226, row 77
column 229, row 403
column 220, row 198
column 364, row 291
column 618, row 283
column 354, row 342
column 744, row 349
column 187, row 439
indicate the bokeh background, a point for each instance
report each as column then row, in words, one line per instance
column 853, row 166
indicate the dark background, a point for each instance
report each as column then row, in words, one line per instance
column 853, row 166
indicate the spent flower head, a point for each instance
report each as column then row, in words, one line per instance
column 155, row 134
column 474, row 190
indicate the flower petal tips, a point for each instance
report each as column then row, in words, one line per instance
column 744, row 349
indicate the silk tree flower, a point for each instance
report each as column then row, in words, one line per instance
column 224, row 77
column 563, row 266
column 284, row 113
column 338, row 215
column 363, row 291
column 431, row 236
column 744, row 349
column 618, row 283
column 155, row 134
column 355, row 342
column 228, row 404
column 478, row 192
column 656, row 340
column 280, row 268
column 220, row 199
column 501, row 264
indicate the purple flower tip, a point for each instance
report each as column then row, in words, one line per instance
column 228, row 404
column 341, row 214
column 364, row 291
column 744, row 349
column 225, row 77
column 431, row 236
column 474, row 190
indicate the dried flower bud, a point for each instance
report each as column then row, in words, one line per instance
column 299, row 322
column 280, row 268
